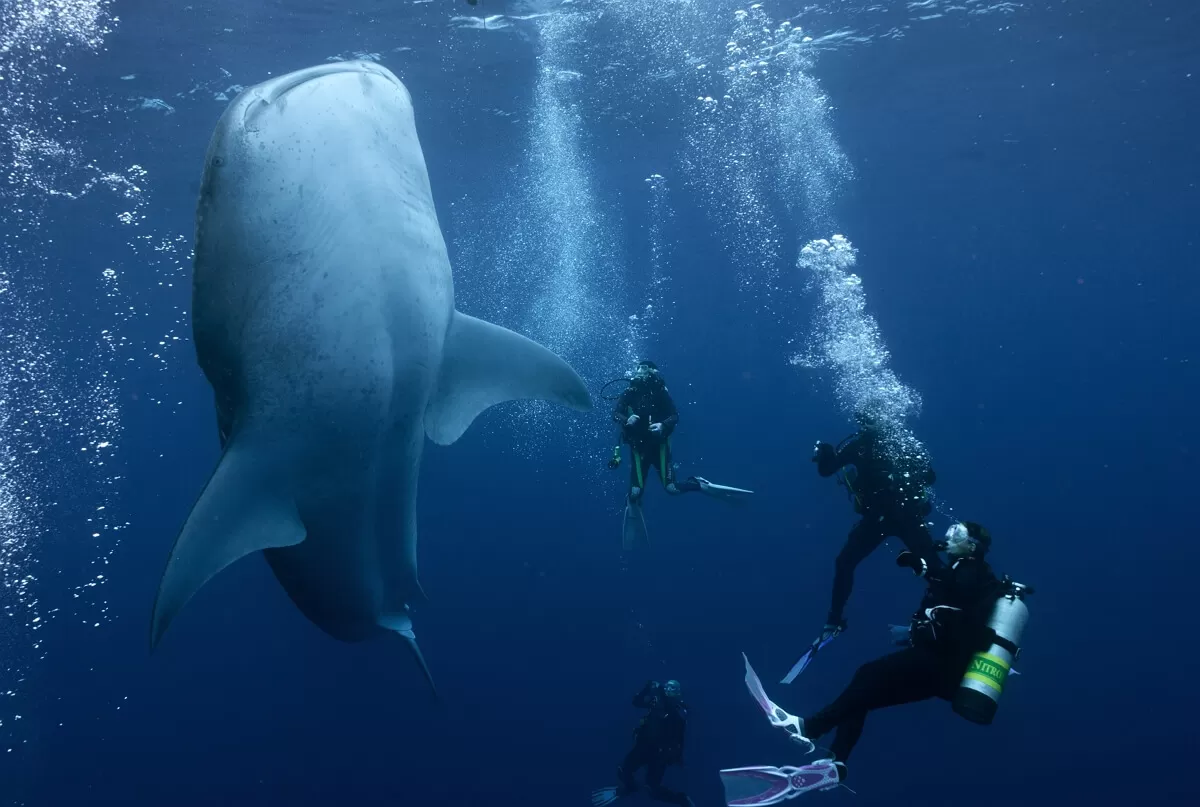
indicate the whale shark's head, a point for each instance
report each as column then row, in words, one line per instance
column 309, row 93
column 307, row 134
column 317, row 115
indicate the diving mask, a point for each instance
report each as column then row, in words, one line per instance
column 958, row 541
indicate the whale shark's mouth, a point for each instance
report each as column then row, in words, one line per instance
column 273, row 93
column 290, row 82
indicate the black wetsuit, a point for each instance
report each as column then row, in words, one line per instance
column 889, row 493
column 657, row 743
column 931, row 668
column 649, row 400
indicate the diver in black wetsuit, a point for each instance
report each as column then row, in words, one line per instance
column 646, row 416
column 890, row 494
column 949, row 627
column 657, row 744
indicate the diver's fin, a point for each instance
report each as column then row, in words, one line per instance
column 484, row 364
column 828, row 634
column 401, row 624
column 633, row 528
column 800, row 666
column 605, row 796
column 778, row 717
column 764, row 785
column 721, row 491
column 239, row 512
column 755, row 786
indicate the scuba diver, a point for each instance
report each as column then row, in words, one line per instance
column 657, row 743
column 889, row 490
column 959, row 646
column 646, row 417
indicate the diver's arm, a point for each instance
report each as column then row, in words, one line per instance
column 671, row 420
column 645, row 699
column 619, row 419
column 621, row 408
column 965, row 582
column 829, row 460
column 974, row 581
column 919, row 566
column 970, row 588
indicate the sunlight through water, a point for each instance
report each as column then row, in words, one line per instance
column 561, row 262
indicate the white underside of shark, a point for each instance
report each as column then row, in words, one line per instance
column 324, row 319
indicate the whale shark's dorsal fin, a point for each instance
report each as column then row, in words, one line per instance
column 483, row 365
column 239, row 512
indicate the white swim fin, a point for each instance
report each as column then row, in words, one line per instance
column 633, row 528
column 721, row 491
column 605, row 796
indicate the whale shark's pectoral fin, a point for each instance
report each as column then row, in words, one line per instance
column 402, row 626
column 483, row 365
column 238, row 513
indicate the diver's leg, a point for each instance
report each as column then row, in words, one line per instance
column 666, row 468
column 634, row 760
column 861, row 542
column 637, row 474
column 655, row 771
column 916, row 538
column 910, row 675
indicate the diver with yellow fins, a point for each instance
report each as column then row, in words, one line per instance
column 959, row 646
column 646, row 417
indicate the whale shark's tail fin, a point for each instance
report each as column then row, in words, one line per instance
column 237, row 514
column 483, row 365
column 401, row 625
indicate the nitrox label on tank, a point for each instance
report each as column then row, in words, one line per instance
column 988, row 670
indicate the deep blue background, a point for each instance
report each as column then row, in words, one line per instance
column 1039, row 293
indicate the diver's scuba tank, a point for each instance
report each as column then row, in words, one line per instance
column 982, row 684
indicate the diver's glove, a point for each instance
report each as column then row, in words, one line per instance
column 656, row 428
column 632, row 420
column 615, row 460
column 911, row 560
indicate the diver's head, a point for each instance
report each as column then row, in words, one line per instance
column 671, row 689
column 646, row 369
column 966, row 539
column 867, row 421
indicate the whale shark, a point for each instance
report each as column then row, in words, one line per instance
column 323, row 318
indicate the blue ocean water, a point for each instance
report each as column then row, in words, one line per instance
column 1015, row 187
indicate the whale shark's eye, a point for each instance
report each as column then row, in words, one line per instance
column 217, row 162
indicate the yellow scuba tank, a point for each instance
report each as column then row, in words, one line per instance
column 982, row 684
